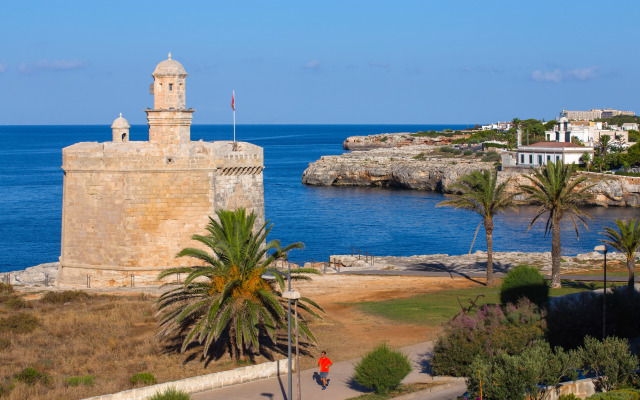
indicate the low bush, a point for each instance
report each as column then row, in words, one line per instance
column 13, row 301
column 479, row 153
column 382, row 369
column 616, row 395
column 446, row 149
column 490, row 331
column 30, row 376
column 468, row 152
column 523, row 375
column 171, row 394
column 524, row 281
column 5, row 288
column 19, row 323
column 143, row 378
column 610, row 360
column 66, row 296
column 418, row 157
column 86, row 380
column 491, row 157
column 569, row 396
column 384, row 139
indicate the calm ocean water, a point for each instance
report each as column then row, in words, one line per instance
column 328, row 220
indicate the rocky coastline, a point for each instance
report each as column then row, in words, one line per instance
column 423, row 167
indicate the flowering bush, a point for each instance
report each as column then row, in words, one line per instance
column 489, row 331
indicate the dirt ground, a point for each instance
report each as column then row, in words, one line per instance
column 345, row 332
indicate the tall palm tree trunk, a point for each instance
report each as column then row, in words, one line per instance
column 556, row 251
column 488, row 226
column 631, row 266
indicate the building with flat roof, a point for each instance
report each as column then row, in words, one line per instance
column 594, row 114
column 539, row 154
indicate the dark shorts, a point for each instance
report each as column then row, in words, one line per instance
column 323, row 374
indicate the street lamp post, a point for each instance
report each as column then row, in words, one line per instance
column 604, row 249
column 293, row 295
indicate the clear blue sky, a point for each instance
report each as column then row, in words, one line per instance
column 328, row 62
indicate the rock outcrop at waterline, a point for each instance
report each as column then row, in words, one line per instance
column 424, row 168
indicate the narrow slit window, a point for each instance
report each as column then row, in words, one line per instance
column 170, row 86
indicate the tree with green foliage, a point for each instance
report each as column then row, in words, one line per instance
column 627, row 241
column 558, row 193
column 586, row 159
column 480, row 192
column 603, row 144
column 229, row 297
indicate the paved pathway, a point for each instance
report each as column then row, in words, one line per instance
column 340, row 385
column 466, row 274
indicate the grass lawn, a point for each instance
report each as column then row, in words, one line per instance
column 434, row 309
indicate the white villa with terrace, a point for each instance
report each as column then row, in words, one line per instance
column 539, row 154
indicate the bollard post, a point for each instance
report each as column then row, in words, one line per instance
column 131, row 280
column 46, row 280
column 178, row 276
column 358, row 254
column 88, row 281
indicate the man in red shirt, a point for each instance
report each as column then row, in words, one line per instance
column 324, row 363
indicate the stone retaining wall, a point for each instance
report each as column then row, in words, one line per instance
column 205, row 382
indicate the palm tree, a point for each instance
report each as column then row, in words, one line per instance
column 480, row 193
column 604, row 144
column 229, row 296
column 627, row 241
column 558, row 193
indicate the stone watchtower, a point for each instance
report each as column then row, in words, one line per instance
column 129, row 207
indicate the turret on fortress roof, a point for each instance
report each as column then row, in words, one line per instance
column 130, row 206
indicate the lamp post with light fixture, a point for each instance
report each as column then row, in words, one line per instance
column 604, row 249
column 293, row 295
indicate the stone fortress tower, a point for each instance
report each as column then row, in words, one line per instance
column 130, row 207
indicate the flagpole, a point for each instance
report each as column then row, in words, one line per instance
column 234, row 118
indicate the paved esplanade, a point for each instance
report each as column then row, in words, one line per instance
column 340, row 383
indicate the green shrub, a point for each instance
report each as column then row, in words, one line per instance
column 13, row 301
column 569, row 396
column 418, row 157
column 490, row 331
column 516, row 377
column 143, row 378
column 446, row 149
column 171, row 394
column 457, row 152
column 479, row 153
column 491, row 157
column 615, row 395
column 610, row 360
column 6, row 288
column 382, row 369
column 524, row 281
column 468, row 152
column 384, row 139
column 31, row 376
column 19, row 323
column 66, row 296
column 86, row 380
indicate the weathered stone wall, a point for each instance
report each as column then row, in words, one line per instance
column 206, row 382
column 129, row 208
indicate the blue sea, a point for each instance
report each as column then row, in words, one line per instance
column 328, row 220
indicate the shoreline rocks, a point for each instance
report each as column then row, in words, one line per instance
column 422, row 167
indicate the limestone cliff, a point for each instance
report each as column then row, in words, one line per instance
column 422, row 167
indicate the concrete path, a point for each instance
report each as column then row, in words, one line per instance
column 341, row 385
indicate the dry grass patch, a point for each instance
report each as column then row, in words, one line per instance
column 70, row 336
